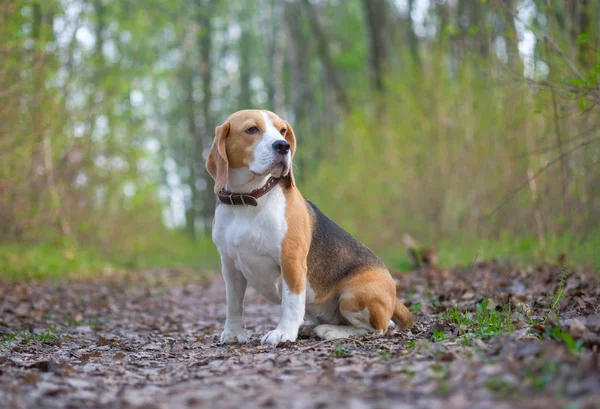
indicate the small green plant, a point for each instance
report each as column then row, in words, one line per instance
column 7, row 339
column 499, row 385
column 456, row 317
column 485, row 321
column 339, row 352
column 560, row 292
column 384, row 354
column 416, row 307
column 440, row 370
column 410, row 373
column 439, row 336
column 48, row 336
column 541, row 378
column 72, row 321
column 573, row 346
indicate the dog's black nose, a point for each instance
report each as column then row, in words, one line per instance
column 281, row 146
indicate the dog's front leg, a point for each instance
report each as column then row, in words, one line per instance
column 235, row 287
column 293, row 299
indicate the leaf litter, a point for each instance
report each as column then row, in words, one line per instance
column 488, row 336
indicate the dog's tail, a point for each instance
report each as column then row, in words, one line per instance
column 402, row 316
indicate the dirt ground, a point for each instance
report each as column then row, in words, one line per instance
column 489, row 335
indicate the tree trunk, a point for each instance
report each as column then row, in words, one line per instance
column 413, row 41
column 375, row 13
column 461, row 37
column 301, row 97
column 512, row 41
column 477, row 20
column 187, row 82
column 332, row 75
column 275, row 55
column 204, row 139
column 578, row 14
column 245, row 52
column 42, row 34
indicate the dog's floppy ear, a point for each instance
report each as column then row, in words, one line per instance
column 217, row 163
column 291, row 138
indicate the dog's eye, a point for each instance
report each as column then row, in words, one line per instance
column 252, row 130
column 282, row 131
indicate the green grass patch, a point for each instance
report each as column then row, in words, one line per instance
column 46, row 261
column 48, row 336
column 20, row 261
column 574, row 346
column 339, row 352
column 483, row 322
column 498, row 385
column 452, row 252
column 439, row 336
column 171, row 250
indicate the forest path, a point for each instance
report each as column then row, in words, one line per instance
column 150, row 340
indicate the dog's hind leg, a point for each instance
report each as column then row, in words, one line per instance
column 327, row 332
column 367, row 303
column 360, row 322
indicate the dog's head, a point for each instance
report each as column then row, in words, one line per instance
column 256, row 139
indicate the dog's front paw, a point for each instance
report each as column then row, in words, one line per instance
column 234, row 335
column 276, row 336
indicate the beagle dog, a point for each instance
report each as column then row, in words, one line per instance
column 268, row 235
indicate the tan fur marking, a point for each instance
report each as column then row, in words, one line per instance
column 295, row 246
column 373, row 289
column 240, row 144
column 217, row 163
column 291, row 138
column 233, row 147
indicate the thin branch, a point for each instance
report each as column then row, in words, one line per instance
column 551, row 148
column 474, row 261
column 538, row 173
column 559, row 52
column 331, row 340
column 49, row 165
column 550, row 41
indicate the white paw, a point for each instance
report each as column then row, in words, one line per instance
column 234, row 335
column 276, row 336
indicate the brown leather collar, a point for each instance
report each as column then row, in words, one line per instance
column 238, row 199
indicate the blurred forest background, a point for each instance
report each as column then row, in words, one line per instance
column 471, row 124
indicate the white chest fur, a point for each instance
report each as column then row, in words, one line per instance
column 251, row 238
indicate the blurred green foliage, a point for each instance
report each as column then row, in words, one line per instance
column 471, row 125
column 20, row 261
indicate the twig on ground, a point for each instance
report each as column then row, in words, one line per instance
column 331, row 340
column 474, row 261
